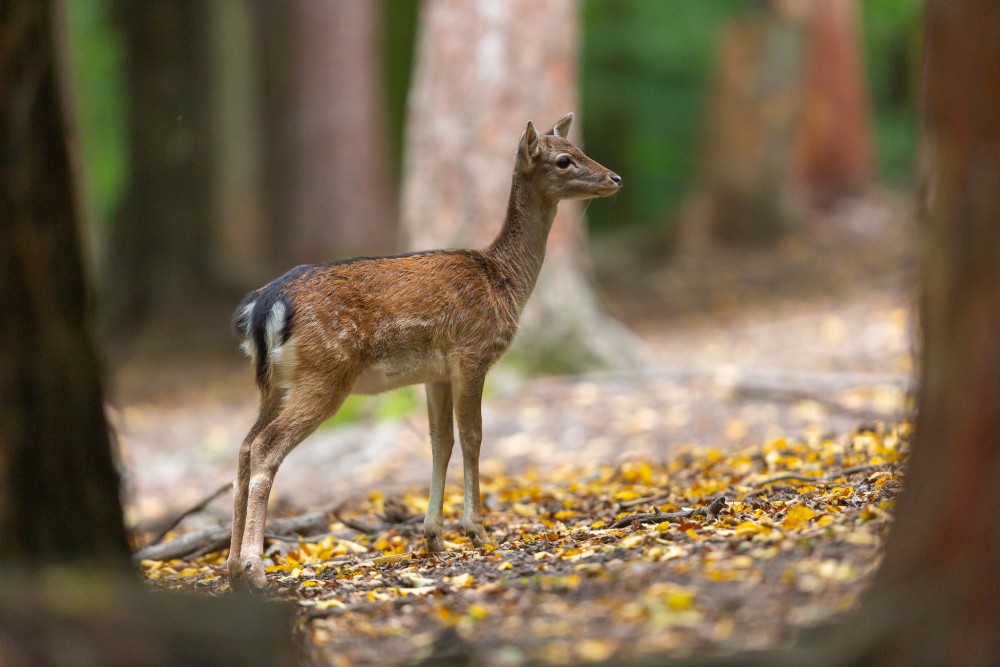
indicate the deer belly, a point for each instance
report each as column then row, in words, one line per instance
column 402, row 370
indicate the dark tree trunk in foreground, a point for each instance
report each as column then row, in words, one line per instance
column 482, row 71
column 939, row 587
column 58, row 484
column 66, row 596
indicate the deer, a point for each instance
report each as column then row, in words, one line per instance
column 366, row 325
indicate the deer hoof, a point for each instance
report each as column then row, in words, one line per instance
column 435, row 544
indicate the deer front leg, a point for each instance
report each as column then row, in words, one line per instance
column 439, row 415
column 467, row 394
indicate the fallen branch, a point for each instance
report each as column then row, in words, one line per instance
column 217, row 537
column 712, row 509
column 202, row 504
column 825, row 479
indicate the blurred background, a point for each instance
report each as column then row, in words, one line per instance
column 753, row 278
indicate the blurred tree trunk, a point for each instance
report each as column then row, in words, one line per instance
column 160, row 248
column 744, row 171
column 329, row 149
column 59, row 497
column 787, row 124
column 833, row 152
column 482, row 71
column 66, row 593
column 241, row 242
column 937, row 593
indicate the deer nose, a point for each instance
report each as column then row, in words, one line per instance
column 616, row 178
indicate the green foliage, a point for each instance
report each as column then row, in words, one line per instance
column 96, row 64
column 891, row 39
column 390, row 406
column 646, row 69
column 648, row 66
column 399, row 24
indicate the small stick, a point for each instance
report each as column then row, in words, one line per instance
column 711, row 509
column 202, row 504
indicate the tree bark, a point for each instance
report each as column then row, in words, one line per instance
column 939, row 586
column 59, row 491
column 743, row 180
column 482, row 70
column 66, row 595
column 162, row 235
column 335, row 198
column 241, row 244
column 832, row 153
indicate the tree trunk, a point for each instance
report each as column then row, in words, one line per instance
column 787, row 124
column 58, row 484
column 483, row 70
column 241, row 242
column 939, row 586
column 833, row 153
column 335, row 198
column 66, row 595
column 162, row 234
column 745, row 167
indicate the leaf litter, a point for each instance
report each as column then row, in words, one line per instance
column 704, row 550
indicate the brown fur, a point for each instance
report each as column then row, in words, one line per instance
column 367, row 325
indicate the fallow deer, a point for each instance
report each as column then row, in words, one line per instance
column 370, row 324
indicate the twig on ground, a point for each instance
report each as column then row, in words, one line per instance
column 825, row 479
column 711, row 509
column 194, row 509
column 214, row 538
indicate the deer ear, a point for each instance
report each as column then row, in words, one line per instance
column 561, row 128
column 529, row 140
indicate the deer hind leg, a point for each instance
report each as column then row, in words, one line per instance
column 301, row 412
column 268, row 408
column 467, row 393
column 439, row 415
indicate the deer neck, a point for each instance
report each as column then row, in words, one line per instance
column 519, row 249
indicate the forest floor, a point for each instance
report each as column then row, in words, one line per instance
column 792, row 363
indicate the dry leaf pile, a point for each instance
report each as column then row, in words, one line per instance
column 705, row 550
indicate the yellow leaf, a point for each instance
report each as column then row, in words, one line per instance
column 680, row 599
column 749, row 528
column 797, row 517
column 595, row 650
column 463, row 580
column 478, row 611
column 395, row 558
column 824, row 521
column 504, row 566
column 597, row 524
column 565, row 514
column 663, row 526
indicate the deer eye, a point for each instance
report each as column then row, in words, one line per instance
column 563, row 162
